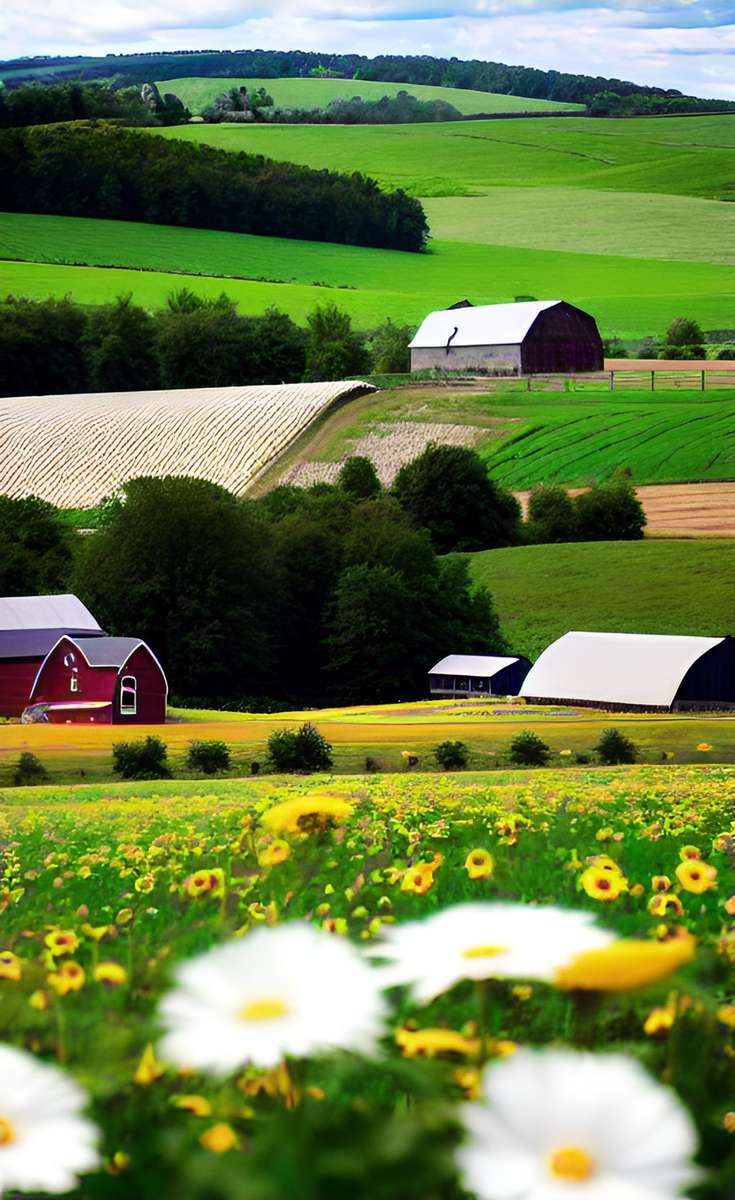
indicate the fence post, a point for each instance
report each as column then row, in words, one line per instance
column 702, row 378
column 612, row 381
column 653, row 380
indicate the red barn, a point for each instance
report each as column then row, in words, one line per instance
column 102, row 680
column 30, row 626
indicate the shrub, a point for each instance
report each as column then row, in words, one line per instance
column 614, row 747
column 528, row 750
column 551, row 515
column 610, row 512
column 452, row 756
column 209, row 757
column 359, row 479
column 297, row 750
column 30, row 770
column 144, row 759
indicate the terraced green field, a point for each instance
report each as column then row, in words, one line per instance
column 656, row 586
column 197, row 92
column 630, row 297
column 689, row 156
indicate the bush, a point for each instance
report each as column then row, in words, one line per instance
column 610, row 512
column 297, row 750
column 359, row 479
column 551, row 515
column 614, row 747
column 30, row 771
column 209, row 757
column 144, row 759
column 452, row 756
column 528, row 750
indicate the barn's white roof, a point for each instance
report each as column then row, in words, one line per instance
column 484, row 325
column 45, row 612
column 471, row 664
column 615, row 668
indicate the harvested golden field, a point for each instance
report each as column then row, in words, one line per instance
column 75, row 450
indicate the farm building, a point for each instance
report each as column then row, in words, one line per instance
column 478, row 675
column 528, row 338
column 635, row 670
column 55, row 659
column 105, row 680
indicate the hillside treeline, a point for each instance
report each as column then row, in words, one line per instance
column 53, row 347
column 104, row 171
column 473, row 74
column 303, row 596
column 70, row 100
column 388, row 110
column 610, row 104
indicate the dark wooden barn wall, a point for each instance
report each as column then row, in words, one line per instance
column 562, row 338
column 711, row 678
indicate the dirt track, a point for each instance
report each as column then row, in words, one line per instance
column 694, row 509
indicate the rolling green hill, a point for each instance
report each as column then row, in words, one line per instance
column 630, row 297
column 690, row 156
column 662, row 586
column 198, row 92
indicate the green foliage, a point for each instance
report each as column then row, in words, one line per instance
column 614, row 747
column 359, row 479
column 389, row 348
column 70, row 100
column 301, row 750
column 452, row 756
column 146, row 758
column 551, row 515
column 684, row 339
column 35, row 555
column 41, row 347
column 333, row 349
column 404, row 108
column 30, row 771
column 447, row 491
column 208, row 756
column 528, row 750
column 106, row 171
column 610, row 512
column 122, row 352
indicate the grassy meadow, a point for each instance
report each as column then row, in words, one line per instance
column 653, row 586
column 197, row 92
column 96, row 260
column 107, row 891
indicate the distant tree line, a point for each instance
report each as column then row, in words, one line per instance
column 71, row 100
column 48, row 347
column 402, row 109
column 473, row 74
column 637, row 104
column 124, row 174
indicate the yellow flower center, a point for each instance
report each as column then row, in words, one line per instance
column 572, row 1164
column 268, row 1009
column 7, row 1132
column 484, row 951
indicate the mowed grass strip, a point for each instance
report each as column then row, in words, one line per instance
column 630, row 297
column 690, row 156
column 652, row 586
column 198, row 91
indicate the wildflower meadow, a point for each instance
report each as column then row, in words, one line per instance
column 413, row 987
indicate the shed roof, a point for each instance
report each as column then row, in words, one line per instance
column 483, row 325
column 475, row 665
column 616, row 668
column 45, row 612
column 34, row 643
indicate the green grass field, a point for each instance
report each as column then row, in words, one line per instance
column 690, row 156
column 657, row 586
column 197, row 92
column 630, row 297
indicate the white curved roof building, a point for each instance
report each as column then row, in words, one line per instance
column 635, row 670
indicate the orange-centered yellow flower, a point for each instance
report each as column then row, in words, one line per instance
column 275, row 852
column 479, row 864
column 603, row 884
column 696, row 876
column 205, row 883
column 665, row 903
column 10, row 966
column 61, row 941
column 110, row 973
column 626, row 964
column 419, row 879
column 660, row 883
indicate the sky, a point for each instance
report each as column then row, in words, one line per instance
column 686, row 44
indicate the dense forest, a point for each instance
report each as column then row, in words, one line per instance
column 72, row 100
column 388, row 110
column 271, row 64
column 105, row 171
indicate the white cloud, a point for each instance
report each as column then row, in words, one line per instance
column 686, row 44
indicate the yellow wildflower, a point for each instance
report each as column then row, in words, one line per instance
column 199, row 1106
column 603, row 884
column 696, row 876
column 10, row 966
column 276, row 852
column 96, row 932
column 307, row 814
column 726, row 1014
column 728, row 1122
column 61, row 941
column 730, row 906
column 219, row 1139
column 427, row 1043
column 145, row 883
column 689, row 852
column 469, row 1079
column 419, row 879
column 70, row 977
column 625, row 964
column 664, row 903
column 479, row 864
column 110, row 973
column 38, row 1000
column 660, row 1020
column 149, row 1069
column 205, row 883
column 704, row 746
column 660, row 883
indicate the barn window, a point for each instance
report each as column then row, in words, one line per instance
column 128, row 695
column 74, row 682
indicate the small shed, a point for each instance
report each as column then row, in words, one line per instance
column 30, row 626
column 635, row 671
column 478, row 675
column 527, row 338
column 103, row 680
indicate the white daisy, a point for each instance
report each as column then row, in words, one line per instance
column 484, row 941
column 290, row 990
column 45, row 1142
column 564, row 1125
